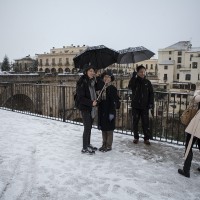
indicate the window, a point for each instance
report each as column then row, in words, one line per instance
column 179, row 53
column 165, row 77
column 188, row 77
column 53, row 61
column 146, row 66
column 191, row 57
column 151, row 66
column 178, row 66
column 60, row 62
column 169, row 58
column 179, row 60
column 67, row 61
column 170, row 52
column 194, row 65
column 177, row 76
column 40, row 62
column 198, row 77
column 165, row 67
column 47, row 62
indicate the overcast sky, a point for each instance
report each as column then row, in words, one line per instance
column 30, row 27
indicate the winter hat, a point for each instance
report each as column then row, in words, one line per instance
column 109, row 73
column 87, row 67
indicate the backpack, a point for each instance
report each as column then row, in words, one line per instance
column 76, row 97
column 76, row 100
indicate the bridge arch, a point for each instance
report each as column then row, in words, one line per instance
column 20, row 102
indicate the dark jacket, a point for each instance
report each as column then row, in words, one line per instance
column 142, row 93
column 106, row 107
column 83, row 92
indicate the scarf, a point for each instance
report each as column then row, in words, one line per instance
column 93, row 97
column 103, row 95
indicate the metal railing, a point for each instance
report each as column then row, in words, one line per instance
column 57, row 102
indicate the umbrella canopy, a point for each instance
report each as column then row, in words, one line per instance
column 98, row 56
column 134, row 55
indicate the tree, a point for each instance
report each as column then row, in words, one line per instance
column 5, row 64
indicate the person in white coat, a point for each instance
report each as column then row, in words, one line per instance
column 192, row 136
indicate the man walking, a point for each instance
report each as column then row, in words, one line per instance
column 142, row 101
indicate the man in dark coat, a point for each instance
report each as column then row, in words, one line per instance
column 142, row 101
column 107, row 111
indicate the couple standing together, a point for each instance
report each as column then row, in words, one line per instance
column 142, row 101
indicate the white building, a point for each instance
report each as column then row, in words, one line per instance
column 179, row 63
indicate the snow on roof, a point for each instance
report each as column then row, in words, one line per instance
column 182, row 45
column 194, row 49
column 167, row 62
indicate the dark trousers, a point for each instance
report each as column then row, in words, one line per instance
column 188, row 161
column 144, row 115
column 107, row 139
column 87, row 123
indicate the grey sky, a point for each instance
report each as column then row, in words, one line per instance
column 29, row 27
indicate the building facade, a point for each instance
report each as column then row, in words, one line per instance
column 179, row 64
column 26, row 64
column 59, row 60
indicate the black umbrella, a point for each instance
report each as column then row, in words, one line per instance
column 98, row 56
column 134, row 55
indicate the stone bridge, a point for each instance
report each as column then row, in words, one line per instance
column 43, row 94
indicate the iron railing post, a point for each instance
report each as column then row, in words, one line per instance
column 63, row 100
column 11, row 93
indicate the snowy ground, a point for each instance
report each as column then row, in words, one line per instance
column 41, row 159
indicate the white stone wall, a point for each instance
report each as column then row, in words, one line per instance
column 184, row 68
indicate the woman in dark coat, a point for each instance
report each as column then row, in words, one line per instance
column 192, row 130
column 107, row 111
column 86, row 94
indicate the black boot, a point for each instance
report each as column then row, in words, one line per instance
column 103, row 149
column 92, row 147
column 183, row 173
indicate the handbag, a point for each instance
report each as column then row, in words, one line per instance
column 189, row 113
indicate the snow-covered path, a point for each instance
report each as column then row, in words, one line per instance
column 41, row 159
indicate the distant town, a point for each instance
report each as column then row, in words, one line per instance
column 177, row 68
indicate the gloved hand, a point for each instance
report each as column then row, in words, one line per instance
column 151, row 113
column 111, row 117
